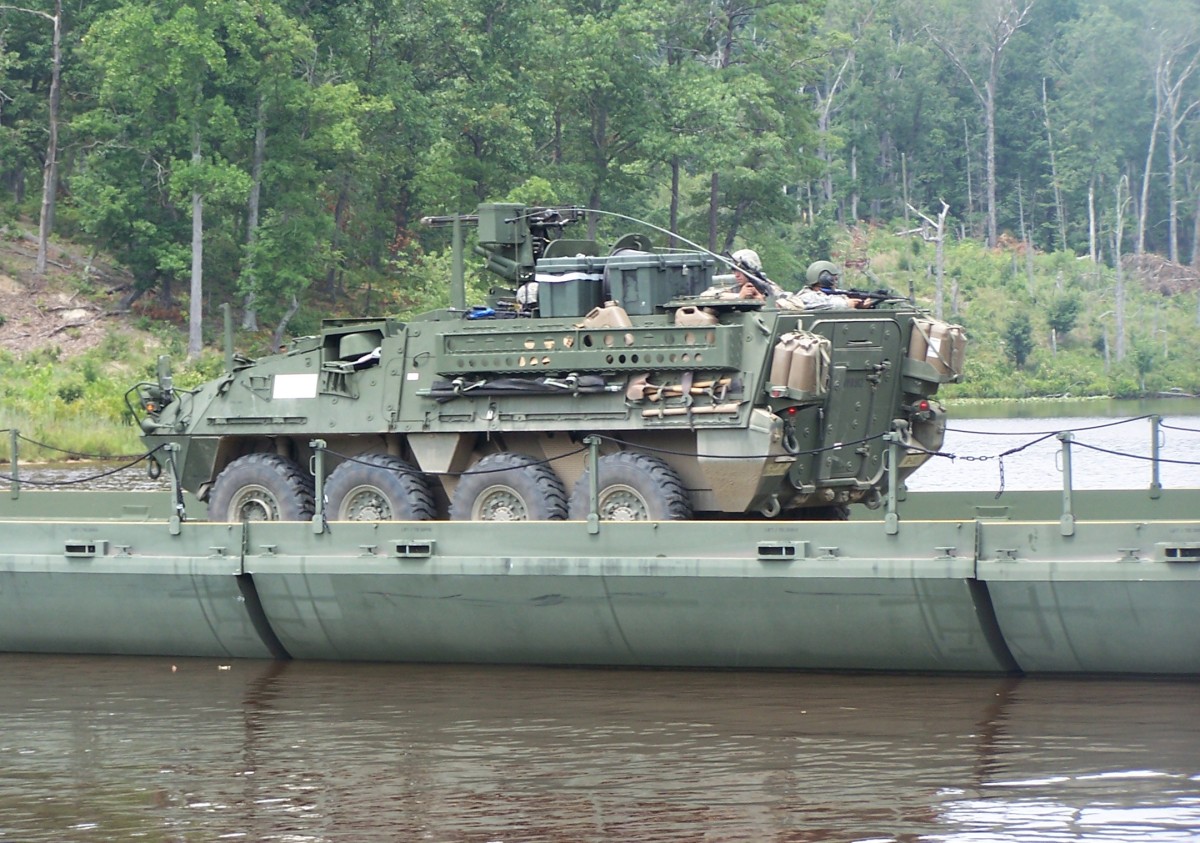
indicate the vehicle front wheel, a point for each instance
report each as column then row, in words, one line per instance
column 633, row 487
column 378, row 487
column 261, row 487
column 509, row 487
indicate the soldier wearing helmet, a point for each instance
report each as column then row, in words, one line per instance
column 749, row 282
column 747, row 268
column 822, row 278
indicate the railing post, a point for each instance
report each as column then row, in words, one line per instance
column 593, row 519
column 1155, row 433
column 891, row 521
column 14, row 444
column 318, row 472
column 178, row 514
column 1067, row 522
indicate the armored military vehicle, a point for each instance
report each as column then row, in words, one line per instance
column 688, row 404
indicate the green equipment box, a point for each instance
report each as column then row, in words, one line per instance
column 643, row 282
column 570, row 286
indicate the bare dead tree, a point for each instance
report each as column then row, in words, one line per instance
column 1059, row 211
column 934, row 231
column 1177, row 114
column 1176, row 59
column 1118, row 236
column 50, row 168
column 990, row 40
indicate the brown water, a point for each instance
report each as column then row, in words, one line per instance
column 106, row 749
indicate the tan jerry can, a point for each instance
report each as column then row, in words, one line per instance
column 810, row 364
column 781, row 359
column 612, row 315
column 940, row 344
column 692, row 315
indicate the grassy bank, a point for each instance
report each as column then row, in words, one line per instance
column 75, row 407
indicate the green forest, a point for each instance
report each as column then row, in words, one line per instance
column 1029, row 169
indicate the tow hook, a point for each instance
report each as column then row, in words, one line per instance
column 771, row 508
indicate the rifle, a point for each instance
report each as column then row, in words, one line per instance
column 872, row 296
column 758, row 280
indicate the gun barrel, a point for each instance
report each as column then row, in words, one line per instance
column 438, row 222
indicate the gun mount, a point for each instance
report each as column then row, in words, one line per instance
column 703, row 407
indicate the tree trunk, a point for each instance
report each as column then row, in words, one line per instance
column 1092, row 246
column 674, row 222
column 195, row 306
column 938, row 238
column 1139, row 244
column 277, row 337
column 967, row 159
column 1176, row 120
column 1119, row 291
column 1059, row 213
column 50, row 170
column 989, row 116
column 1025, row 238
column 249, row 314
column 853, row 184
column 339, row 222
column 1172, row 193
column 1196, row 234
column 714, row 197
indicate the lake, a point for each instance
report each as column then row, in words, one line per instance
column 105, row 749
column 1111, row 449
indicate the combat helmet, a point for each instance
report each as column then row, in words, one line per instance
column 747, row 259
column 817, row 268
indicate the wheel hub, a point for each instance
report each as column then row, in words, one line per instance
column 365, row 504
column 254, row 503
column 500, row 503
column 623, row 503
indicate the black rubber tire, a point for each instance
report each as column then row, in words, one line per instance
column 633, row 487
column 377, row 487
column 509, row 487
column 261, row 487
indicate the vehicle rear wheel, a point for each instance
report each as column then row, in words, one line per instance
column 378, row 487
column 633, row 487
column 509, row 487
column 261, row 487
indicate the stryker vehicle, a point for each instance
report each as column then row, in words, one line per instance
column 690, row 405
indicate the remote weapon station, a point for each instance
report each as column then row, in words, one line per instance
column 594, row 382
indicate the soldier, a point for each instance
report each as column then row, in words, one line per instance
column 746, row 265
column 822, row 278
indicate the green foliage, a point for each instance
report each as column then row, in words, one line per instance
column 1018, row 338
column 1062, row 312
column 777, row 125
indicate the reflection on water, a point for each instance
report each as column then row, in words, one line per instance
column 103, row 749
column 88, row 476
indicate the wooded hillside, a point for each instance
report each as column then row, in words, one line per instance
column 280, row 154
